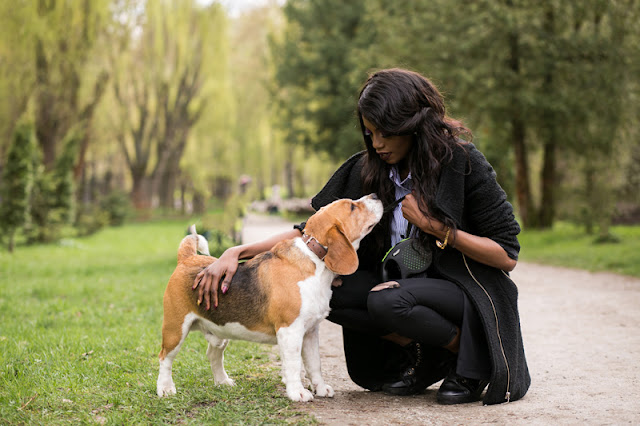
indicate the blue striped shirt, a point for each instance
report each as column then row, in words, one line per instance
column 398, row 222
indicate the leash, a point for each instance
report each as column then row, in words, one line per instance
column 393, row 205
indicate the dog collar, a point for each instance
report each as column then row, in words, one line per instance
column 313, row 244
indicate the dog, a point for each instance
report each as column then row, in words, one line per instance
column 278, row 297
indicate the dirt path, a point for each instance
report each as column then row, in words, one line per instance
column 582, row 340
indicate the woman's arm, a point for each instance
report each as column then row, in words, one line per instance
column 223, row 269
column 480, row 249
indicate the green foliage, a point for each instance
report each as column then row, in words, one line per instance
column 568, row 245
column 548, row 88
column 81, row 331
column 320, row 67
column 90, row 219
column 52, row 200
column 117, row 206
column 16, row 182
column 64, row 186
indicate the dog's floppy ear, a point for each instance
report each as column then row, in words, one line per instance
column 341, row 257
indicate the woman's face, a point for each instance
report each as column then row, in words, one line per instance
column 391, row 149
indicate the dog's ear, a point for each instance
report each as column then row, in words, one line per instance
column 341, row 257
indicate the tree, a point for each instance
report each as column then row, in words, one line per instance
column 548, row 78
column 158, row 88
column 64, row 34
column 52, row 199
column 16, row 182
column 319, row 67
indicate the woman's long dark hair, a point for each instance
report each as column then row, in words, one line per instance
column 402, row 102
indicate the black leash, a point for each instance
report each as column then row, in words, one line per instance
column 393, row 205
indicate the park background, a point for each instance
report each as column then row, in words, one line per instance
column 122, row 117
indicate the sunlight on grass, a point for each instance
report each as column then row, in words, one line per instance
column 567, row 245
column 80, row 326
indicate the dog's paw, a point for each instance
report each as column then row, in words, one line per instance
column 300, row 395
column 227, row 382
column 324, row 391
column 166, row 389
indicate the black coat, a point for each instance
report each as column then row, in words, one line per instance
column 469, row 194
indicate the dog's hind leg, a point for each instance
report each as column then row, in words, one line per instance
column 173, row 335
column 215, row 353
column 290, row 343
column 311, row 357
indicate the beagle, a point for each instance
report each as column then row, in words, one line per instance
column 278, row 297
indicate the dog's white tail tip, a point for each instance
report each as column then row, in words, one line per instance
column 192, row 229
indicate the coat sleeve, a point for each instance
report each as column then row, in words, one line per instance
column 487, row 211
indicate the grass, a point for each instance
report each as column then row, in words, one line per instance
column 80, row 329
column 568, row 245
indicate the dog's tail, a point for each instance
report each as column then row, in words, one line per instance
column 192, row 244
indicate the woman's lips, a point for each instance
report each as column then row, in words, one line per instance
column 384, row 156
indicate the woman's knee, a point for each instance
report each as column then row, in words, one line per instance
column 384, row 304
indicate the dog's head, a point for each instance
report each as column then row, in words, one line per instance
column 340, row 226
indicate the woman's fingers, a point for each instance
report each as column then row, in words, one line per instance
column 388, row 284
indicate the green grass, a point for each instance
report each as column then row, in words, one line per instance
column 567, row 245
column 80, row 331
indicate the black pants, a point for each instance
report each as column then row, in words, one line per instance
column 427, row 310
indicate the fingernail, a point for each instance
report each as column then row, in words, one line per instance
column 224, row 290
column 215, row 306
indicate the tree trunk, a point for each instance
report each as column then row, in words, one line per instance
column 518, row 138
column 140, row 194
column 548, row 174
column 589, row 176
column 548, row 184
column 199, row 202
column 523, row 191
column 167, row 188
column 288, row 167
column 12, row 234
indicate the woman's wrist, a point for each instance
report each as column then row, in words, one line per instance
column 239, row 252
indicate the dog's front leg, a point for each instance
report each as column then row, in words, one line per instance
column 311, row 357
column 290, row 343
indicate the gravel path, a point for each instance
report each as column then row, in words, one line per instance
column 582, row 340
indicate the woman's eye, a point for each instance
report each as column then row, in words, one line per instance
column 367, row 132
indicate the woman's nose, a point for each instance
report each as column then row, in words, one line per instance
column 376, row 141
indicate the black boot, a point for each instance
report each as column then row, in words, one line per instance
column 420, row 372
column 456, row 389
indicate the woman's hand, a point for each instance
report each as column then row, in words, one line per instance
column 481, row 249
column 210, row 278
column 414, row 215
column 220, row 272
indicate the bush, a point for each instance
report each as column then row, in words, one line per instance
column 117, row 206
column 91, row 219
column 16, row 182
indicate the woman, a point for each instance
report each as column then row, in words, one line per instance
column 458, row 320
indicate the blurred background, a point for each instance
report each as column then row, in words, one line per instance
column 116, row 110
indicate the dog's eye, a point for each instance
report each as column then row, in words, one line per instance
column 353, row 206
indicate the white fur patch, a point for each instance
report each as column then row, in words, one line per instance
column 231, row 330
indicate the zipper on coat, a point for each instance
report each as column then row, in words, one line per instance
column 507, row 395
